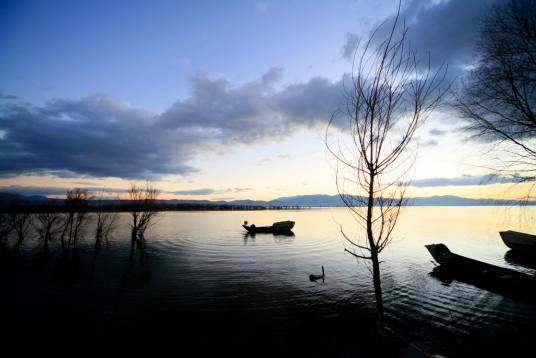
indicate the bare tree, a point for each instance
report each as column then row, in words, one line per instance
column 498, row 98
column 104, row 222
column 76, row 205
column 390, row 94
column 5, row 229
column 48, row 224
column 20, row 220
column 142, row 200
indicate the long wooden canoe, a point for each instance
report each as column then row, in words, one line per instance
column 493, row 278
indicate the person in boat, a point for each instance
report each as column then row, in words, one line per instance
column 252, row 225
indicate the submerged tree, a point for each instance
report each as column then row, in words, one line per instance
column 498, row 99
column 142, row 200
column 5, row 229
column 20, row 221
column 76, row 205
column 390, row 94
column 48, row 224
column 104, row 223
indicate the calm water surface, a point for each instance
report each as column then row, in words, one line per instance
column 201, row 267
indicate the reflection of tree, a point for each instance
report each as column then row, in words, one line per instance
column 388, row 98
column 136, row 269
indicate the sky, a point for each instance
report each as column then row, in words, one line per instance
column 213, row 100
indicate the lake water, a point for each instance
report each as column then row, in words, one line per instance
column 201, row 273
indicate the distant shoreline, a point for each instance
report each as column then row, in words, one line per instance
column 34, row 208
column 16, row 202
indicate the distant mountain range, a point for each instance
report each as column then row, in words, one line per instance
column 318, row 200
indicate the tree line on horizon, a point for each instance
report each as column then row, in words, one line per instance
column 67, row 223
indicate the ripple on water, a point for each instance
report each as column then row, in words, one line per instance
column 203, row 262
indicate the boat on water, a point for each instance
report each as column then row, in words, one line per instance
column 519, row 241
column 277, row 227
column 493, row 278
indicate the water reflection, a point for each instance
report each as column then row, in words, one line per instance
column 199, row 270
column 516, row 258
column 289, row 233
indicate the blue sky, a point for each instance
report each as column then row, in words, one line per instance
column 145, row 51
column 218, row 99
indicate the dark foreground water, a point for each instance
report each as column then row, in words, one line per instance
column 201, row 285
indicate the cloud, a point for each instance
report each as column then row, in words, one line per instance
column 437, row 132
column 429, row 143
column 350, row 45
column 94, row 136
column 285, row 156
column 204, row 191
column 103, row 136
column 445, row 29
column 465, row 180
column 263, row 161
column 207, row 191
column 52, row 190
column 6, row 96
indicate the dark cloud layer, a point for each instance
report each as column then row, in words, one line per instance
column 209, row 191
column 447, row 30
column 52, row 190
column 437, row 132
column 102, row 136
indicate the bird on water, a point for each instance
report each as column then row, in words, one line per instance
column 317, row 277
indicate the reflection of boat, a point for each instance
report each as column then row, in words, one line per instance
column 280, row 227
column 519, row 241
column 490, row 277
column 520, row 258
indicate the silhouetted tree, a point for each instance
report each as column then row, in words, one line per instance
column 390, row 94
column 76, row 205
column 142, row 200
column 104, row 222
column 5, row 230
column 48, row 224
column 499, row 96
column 21, row 221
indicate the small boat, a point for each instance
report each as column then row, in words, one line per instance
column 493, row 278
column 277, row 227
column 519, row 241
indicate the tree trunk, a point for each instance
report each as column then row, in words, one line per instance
column 47, row 234
column 134, row 235
column 378, row 292
column 20, row 240
column 374, row 258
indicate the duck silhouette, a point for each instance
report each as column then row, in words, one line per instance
column 314, row 278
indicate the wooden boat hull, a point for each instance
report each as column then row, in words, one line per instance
column 278, row 227
column 519, row 241
column 510, row 283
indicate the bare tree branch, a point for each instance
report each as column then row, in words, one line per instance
column 389, row 96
